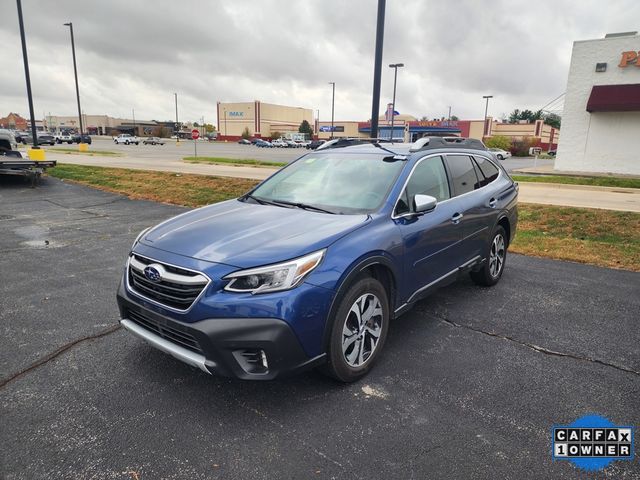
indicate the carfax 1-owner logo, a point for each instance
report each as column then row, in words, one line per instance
column 592, row 442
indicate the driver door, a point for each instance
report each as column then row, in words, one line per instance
column 432, row 239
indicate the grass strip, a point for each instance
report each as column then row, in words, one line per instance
column 620, row 182
column 234, row 161
column 91, row 153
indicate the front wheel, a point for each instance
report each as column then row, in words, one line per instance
column 500, row 157
column 359, row 330
column 495, row 258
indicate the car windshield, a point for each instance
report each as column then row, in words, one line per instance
column 339, row 183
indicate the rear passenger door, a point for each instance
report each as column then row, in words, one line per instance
column 470, row 184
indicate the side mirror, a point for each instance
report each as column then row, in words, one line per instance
column 424, row 203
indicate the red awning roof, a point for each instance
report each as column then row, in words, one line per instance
column 614, row 98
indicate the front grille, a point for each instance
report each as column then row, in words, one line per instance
column 177, row 288
column 179, row 337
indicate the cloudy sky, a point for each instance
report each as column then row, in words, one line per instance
column 135, row 54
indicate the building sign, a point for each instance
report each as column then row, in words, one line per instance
column 236, row 114
column 336, row 128
column 629, row 58
column 435, row 123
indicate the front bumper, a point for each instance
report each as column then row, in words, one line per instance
column 245, row 348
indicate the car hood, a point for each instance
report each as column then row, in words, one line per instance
column 246, row 235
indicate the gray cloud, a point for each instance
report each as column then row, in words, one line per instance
column 136, row 54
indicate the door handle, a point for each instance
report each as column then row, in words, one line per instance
column 456, row 218
column 492, row 202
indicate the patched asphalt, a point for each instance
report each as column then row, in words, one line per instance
column 469, row 386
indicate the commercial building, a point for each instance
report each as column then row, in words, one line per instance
column 601, row 119
column 101, row 124
column 262, row 120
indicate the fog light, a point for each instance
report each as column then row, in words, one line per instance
column 253, row 361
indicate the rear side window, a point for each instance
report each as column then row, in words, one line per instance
column 488, row 169
column 463, row 175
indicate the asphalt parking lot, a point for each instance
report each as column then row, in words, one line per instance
column 469, row 385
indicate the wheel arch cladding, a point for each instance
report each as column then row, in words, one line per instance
column 504, row 223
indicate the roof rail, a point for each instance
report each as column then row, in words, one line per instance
column 425, row 143
column 349, row 141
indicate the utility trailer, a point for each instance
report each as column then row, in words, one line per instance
column 12, row 164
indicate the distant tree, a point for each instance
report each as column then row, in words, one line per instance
column 553, row 120
column 209, row 128
column 245, row 133
column 275, row 135
column 306, row 129
column 514, row 116
column 454, row 118
column 195, row 124
column 424, row 118
column 498, row 141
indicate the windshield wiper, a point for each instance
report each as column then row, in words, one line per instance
column 261, row 201
column 303, row 206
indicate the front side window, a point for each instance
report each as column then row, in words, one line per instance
column 428, row 178
column 344, row 183
column 463, row 175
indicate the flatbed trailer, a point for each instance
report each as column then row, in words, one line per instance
column 31, row 169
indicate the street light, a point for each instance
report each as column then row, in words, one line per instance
column 34, row 135
column 486, row 109
column 395, row 67
column 75, row 73
column 333, row 101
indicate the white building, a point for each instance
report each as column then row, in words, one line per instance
column 601, row 119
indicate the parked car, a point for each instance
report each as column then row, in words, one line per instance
column 46, row 139
column 311, row 265
column 314, row 144
column 126, row 139
column 152, row 141
column 8, row 140
column 264, row 144
column 244, row 141
column 63, row 138
column 279, row 142
column 81, row 139
column 501, row 154
column 254, row 140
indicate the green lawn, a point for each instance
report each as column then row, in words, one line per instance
column 234, row 161
column 595, row 181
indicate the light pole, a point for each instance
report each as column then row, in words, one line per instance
column 34, row 135
column 486, row 109
column 395, row 67
column 75, row 74
column 133, row 112
column 377, row 69
column 175, row 95
column 449, row 117
column 333, row 101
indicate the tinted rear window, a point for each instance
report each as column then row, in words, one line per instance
column 463, row 175
column 488, row 169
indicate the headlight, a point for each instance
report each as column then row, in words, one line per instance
column 140, row 235
column 273, row 278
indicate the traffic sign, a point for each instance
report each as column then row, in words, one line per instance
column 195, row 134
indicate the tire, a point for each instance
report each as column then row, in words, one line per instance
column 500, row 157
column 127, row 142
column 491, row 271
column 137, row 143
column 349, row 360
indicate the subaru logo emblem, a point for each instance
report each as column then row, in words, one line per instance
column 152, row 274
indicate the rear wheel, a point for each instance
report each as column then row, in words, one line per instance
column 127, row 142
column 495, row 259
column 500, row 157
column 359, row 330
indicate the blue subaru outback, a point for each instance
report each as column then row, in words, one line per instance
column 310, row 266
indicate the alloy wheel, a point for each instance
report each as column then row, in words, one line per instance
column 496, row 256
column 361, row 330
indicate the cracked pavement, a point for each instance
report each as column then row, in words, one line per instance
column 469, row 384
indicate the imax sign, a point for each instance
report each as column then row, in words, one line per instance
column 236, row 114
